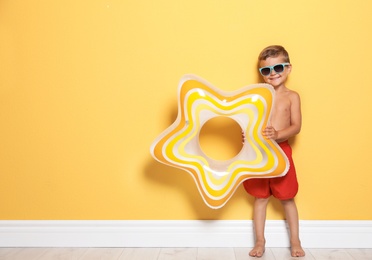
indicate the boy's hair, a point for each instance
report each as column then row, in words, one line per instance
column 274, row 51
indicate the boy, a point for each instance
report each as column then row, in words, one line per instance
column 274, row 66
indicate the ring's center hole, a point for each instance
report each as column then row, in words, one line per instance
column 220, row 138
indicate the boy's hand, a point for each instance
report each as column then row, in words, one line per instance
column 270, row 133
column 243, row 137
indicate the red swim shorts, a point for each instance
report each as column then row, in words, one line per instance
column 282, row 188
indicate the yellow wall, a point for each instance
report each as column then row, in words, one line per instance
column 87, row 85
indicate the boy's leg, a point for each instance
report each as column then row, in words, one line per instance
column 259, row 218
column 291, row 213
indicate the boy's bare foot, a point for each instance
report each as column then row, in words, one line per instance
column 258, row 249
column 296, row 250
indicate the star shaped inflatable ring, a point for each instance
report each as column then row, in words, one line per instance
column 198, row 101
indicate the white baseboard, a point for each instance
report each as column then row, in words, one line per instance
column 184, row 233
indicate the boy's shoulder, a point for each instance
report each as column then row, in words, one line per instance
column 289, row 93
column 288, row 96
column 294, row 98
column 293, row 93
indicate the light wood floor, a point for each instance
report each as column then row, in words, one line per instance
column 174, row 254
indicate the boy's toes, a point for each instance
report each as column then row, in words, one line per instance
column 257, row 252
column 297, row 252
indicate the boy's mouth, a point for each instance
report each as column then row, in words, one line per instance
column 274, row 78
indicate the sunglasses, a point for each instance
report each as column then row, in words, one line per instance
column 278, row 68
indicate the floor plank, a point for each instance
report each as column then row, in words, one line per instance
column 178, row 254
column 215, row 253
column 337, row 254
column 63, row 253
column 360, row 254
column 102, row 253
column 21, row 253
column 6, row 253
column 140, row 254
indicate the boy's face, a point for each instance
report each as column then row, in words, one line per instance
column 275, row 79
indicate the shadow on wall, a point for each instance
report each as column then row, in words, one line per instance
column 184, row 182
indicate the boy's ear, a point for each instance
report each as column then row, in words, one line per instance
column 289, row 68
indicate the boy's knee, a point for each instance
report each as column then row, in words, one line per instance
column 287, row 202
column 262, row 200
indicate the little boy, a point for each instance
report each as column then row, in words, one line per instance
column 274, row 66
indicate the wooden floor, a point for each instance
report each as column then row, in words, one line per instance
column 174, row 254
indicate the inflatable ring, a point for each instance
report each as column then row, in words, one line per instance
column 198, row 101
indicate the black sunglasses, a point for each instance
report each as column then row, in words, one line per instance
column 278, row 68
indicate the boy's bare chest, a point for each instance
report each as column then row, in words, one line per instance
column 281, row 113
